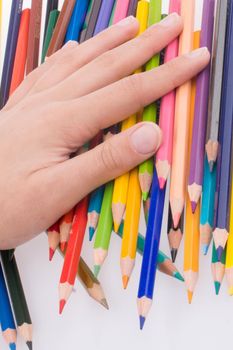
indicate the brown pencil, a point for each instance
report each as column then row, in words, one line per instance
column 34, row 36
column 61, row 27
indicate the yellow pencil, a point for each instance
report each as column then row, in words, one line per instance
column 229, row 255
column 192, row 221
column 120, row 191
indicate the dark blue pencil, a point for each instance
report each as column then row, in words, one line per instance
column 6, row 315
column 104, row 15
column 12, row 36
column 77, row 20
column 221, row 232
column 150, row 255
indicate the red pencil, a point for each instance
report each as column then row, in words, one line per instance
column 21, row 51
column 73, row 251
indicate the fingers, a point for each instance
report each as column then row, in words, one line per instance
column 88, row 51
column 118, row 62
column 77, row 177
column 84, row 117
column 36, row 75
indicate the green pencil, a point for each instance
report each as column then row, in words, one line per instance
column 165, row 264
column 150, row 112
column 104, row 229
column 218, row 268
column 17, row 296
column 49, row 33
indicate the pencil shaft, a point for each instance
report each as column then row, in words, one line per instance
column 77, row 20
column 104, row 15
column 53, row 17
column 51, row 6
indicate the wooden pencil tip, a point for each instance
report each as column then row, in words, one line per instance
column 63, row 246
column 29, row 345
column 61, row 306
column 104, row 303
column 162, row 183
column 193, row 206
column 125, row 281
column 174, row 254
column 91, row 233
column 190, row 296
column 51, row 254
column 217, row 286
column 12, row 346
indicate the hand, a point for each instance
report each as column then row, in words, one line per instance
column 64, row 103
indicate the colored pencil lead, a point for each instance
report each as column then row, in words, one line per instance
column 104, row 303
column 12, row 346
column 29, row 345
column 142, row 321
column 97, row 270
column 190, row 296
column 91, row 233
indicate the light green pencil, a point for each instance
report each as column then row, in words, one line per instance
column 150, row 112
column 104, row 229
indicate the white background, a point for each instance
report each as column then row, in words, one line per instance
column 172, row 323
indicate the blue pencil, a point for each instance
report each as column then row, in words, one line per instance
column 12, row 37
column 77, row 20
column 207, row 206
column 221, row 232
column 104, row 15
column 94, row 208
column 150, row 255
column 6, row 315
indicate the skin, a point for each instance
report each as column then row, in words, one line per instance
column 64, row 103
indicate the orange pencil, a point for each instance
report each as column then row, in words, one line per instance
column 182, row 116
column 53, row 239
column 65, row 227
column 72, row 256
column 21, row 51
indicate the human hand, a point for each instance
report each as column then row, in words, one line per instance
column 64, row 103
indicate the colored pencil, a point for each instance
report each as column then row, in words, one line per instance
column 229, row 250
column 104, row 229
column 150, row 255
column 207, row 206
column 6, row 315
column 53, row 239
column 181, row 123
column 218, row 268
column 21, row 52
column 77, row 20
column 201, row 110
column 146, row 207
column 122, row 182
column 49, row 32
column 34, row 36
column 65, row 227
column 120, row 10
column 12, row 37
column 94, row 208
column 104, row 15
column 165, row 264
column 132, row 9
column 72, row 256
column 150, row 111
column 216, row 83
column 167, row 113
column 91, row 20
column 221, row 231
column 61, row 27
column 51, row 6
column 17, row 296
column 174, row 234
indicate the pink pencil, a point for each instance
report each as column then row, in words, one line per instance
column 167, row 113
column 121, row 10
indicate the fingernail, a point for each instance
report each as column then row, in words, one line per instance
column 199, row 52
column 170, row 20
column 146, row 139
column 126, row 21
column 70, row 44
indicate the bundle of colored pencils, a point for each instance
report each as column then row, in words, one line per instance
column 196, row 154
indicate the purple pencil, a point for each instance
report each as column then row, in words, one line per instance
column 104, row 15
column 201, row 110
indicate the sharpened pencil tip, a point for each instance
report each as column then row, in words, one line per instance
column 29, row 345
column 51, row 254
column 190, row 296
column 230, row 291
column 205, row 248
column 142, row 320
column 217, row 286
column 91, row 233
column 61, row 306
column 125, row 281
column 116, row 226
column 174, row 254
column 193, row 206
column 63, row 246
column 145, row 196
column 104, row 303
column 219, row 252
column 162, row 183
column 178, row 276
column 12, row 346
column 97, row 270
column 211, row 165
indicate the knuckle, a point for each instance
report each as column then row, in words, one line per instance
column 132, row 86
column 106, row 59
column 108, row 156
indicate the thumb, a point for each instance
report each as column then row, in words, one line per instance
column 112, row 158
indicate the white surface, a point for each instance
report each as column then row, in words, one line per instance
column 172, row 323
